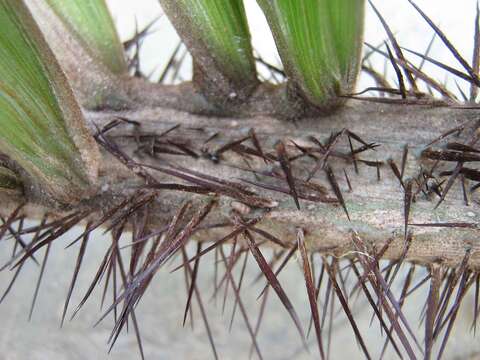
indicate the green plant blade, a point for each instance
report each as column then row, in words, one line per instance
column 91, row 23
column 319, row 42
column 42, row 128
column 217, row 35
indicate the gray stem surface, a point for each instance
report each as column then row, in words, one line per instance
column 375, row 207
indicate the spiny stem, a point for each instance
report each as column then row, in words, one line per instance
column 326, row 227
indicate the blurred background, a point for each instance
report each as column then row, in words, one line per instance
column 161, row 311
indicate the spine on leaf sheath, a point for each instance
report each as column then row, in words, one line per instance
column 43, row 129
column 216, row 34
column 319, row 42
column 91, row 23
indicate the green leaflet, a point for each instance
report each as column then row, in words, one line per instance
column 90, row 21
column 217, row 35
column 42, row 127
column 320, row 44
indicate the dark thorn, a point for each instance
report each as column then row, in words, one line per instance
column 462, row 290
column 242, row 308
column 229, row 268
column 456, row 130
column 348, row 180
column 285, row 261
column 257, row 145
column 407, row 206
column 229, row 146
column 202, row 309
column 450, row 182
column 332, row 276
column 432, row 308
column 285, row 164
column 170, row 63
column 192, row 283
column 396, row 172
column 398, row 53
column 476, row 56
column 39, row 281
column 307, row 273
column 461, row 147
column 336, row 189
column 274, row 283
column 445, row 67
column 78, row 265
column 449, row 155
column 237, row 231
column 401, row 83
column 449, row 225
column 464, row 190
column 376, row 309
column 322, row 162
column 240, row 282
column 404, row 160
column 447, row 43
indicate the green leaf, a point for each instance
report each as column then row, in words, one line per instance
column 319, row 42
column 42, row 128
column 91, row 23
column 217, row 35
